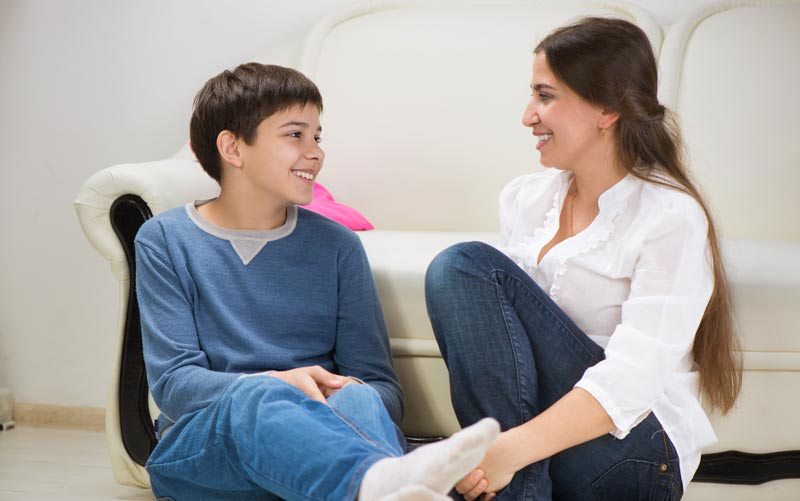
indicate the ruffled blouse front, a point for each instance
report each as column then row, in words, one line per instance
column 637, row 281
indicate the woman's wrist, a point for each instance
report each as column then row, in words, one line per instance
column 520, row 446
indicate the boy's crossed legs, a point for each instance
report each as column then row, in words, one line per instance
column 264, row 435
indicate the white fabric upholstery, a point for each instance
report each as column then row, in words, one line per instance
column 422, row 129
column 732, row 77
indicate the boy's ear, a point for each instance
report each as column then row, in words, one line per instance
column 607, row 118
column 228, row 148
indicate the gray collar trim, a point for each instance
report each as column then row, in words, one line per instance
column 246, row 243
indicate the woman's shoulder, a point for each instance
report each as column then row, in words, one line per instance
column 671, row 204
column 532, row 184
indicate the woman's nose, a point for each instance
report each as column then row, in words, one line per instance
column 530, row 117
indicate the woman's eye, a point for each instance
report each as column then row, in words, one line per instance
column 295, row 134
column 544, row 97
column 318, row 139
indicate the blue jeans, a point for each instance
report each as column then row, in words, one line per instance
column 511, row 353
column 264, row 439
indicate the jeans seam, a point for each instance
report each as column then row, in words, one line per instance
column 359, row 431
column 182, row 459
column 514, row 350
column 666, row 447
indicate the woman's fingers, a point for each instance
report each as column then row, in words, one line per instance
column 469, row 482
column 476, row 491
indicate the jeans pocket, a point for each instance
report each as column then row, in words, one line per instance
column 634, row 480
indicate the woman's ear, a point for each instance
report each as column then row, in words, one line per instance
column 228, row 148
column 607, row 119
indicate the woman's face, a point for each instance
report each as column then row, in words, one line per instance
column 567, row 128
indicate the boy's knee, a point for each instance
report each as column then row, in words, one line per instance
column 360, row 391
column 356, row 396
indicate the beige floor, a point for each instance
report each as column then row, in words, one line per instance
column 67, row 465
column 64, row 465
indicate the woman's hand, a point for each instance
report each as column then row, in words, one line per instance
column 473, row 485
column 314, row 381
column 495, row 471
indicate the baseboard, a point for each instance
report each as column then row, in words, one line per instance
column 60, row 416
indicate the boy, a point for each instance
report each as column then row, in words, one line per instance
column 263, row 337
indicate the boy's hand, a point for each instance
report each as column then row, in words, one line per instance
column 315, row 382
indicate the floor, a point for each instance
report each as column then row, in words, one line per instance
column 64, row 465
column 68, row 465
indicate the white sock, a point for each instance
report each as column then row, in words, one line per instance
column 436, row 466
column 416, row 493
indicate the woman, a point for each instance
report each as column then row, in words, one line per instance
column 594, row 334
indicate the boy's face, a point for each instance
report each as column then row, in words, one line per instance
column 285, row 157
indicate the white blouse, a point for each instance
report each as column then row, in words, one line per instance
column 637, row 281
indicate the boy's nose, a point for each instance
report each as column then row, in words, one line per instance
column 315, row 152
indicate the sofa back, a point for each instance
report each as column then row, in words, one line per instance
column 732, row 75
column 423, row 104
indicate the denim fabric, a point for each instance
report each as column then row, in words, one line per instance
column 511, row 353
column 264, row 439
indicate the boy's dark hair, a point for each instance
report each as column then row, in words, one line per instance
column 238, row 101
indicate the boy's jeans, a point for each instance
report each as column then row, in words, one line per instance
column 264, row 439
column 511, row 353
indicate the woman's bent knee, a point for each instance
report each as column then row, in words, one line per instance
column 456, row 258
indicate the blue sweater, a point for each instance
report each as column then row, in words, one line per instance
column 216, row 304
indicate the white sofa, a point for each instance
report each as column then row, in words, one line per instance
column 423, row 101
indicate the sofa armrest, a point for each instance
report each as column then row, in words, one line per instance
column 162, row 185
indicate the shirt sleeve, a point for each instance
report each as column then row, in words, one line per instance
column 362, row 343
column 178, row 370
column 508, row 207
column 670, row 288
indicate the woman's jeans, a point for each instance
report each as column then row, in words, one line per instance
column 511, row 353
column 264, row 439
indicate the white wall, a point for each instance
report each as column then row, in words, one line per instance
column 85, row 84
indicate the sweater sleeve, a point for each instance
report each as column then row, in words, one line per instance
column 178, row 370
column 362, row 343
column 670, row 288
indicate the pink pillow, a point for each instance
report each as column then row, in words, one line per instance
column 324, row 204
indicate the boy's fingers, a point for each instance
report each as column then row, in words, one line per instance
column 326, row 378
column 313, row 392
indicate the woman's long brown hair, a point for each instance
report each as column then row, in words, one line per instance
column 610, row 63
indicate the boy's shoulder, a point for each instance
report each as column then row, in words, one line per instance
column 170, row 221
column 324, row 228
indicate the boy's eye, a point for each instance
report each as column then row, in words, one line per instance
column 295, row 134
column 318, row 139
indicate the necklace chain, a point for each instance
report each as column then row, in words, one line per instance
column 572, row 212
